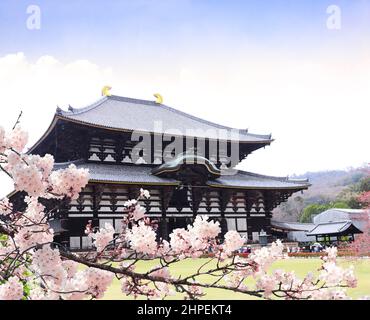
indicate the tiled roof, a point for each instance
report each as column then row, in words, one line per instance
column 333, row 228
column 349, row 211
column 119, row 173
column 292, row 226
column 246, row 179
column 141, row 174
column 117, row 112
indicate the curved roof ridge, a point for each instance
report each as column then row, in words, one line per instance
column 334, row 222
column 77, row 111
column 292, row 222
column 89, row 107
column 347, row 210
column 245, row 131
column 267, row 136
column 78, row 161
column 285, row 179
column 293, row 226
column 149, row 102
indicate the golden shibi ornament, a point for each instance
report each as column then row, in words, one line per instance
column 159, row 98
column 105, row 91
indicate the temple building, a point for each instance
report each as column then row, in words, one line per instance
column 185, row 162
column 330, row 226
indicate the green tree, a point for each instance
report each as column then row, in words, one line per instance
column 313, row 209
column 363, row 185
column 350, row 195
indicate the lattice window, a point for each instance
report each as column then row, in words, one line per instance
column 231, row 225
column 242, row 224
column 105, row 150
column 75, row 242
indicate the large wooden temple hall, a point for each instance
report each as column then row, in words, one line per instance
column 100, row 137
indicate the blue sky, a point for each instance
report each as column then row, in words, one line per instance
column 158, row 30
column 269, row 66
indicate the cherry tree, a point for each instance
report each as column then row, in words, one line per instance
column 33, row 266
column 361, row 245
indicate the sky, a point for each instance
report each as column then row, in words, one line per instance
column 296, row 69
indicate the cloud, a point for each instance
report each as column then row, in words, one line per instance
column 38, row 87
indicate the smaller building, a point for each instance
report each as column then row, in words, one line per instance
column 358, row 217
column 330, row 226
column 330, row 232
column 292, row 231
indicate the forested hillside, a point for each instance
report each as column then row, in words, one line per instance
column 337, row 188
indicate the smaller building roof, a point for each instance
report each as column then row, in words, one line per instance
column 338, row 214
column 340, row 210
column 292, row 226
column 334, row 228
column 350, row 211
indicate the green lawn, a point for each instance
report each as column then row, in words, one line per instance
column 300, row 265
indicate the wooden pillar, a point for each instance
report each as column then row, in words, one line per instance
column 164, row 222
column 224, row 198
column 196, row 198
column 164, row 227
column 223, row 225
column 166, row 194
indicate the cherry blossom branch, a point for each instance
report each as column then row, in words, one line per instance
column 30, row 259
column 135, row 275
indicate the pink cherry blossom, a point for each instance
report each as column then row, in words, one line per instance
column 144, row 193
column 103, row 237
column 195, row 290
column 142, row 238
column 265, row 256
column 32, row 227
column 233, row 241
column 203, row 228
column 2, row 140
column 97, row 281
column 17, row 139
column 12, row 289
column 5, row 206
column 159, row 271
column 48, row 266
column 53, row 274
column 130, row 203
column 69, row 182
column 267, row 283
column 43, row 164
column 139, row 212
column 180, row 240
column 28, row 178
column 71, row 267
